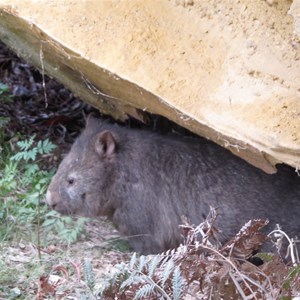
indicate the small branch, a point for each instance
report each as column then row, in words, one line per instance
column 39, row 229
column 150, row 281
column 291, row 247
column 232, row 265
column 43, row 75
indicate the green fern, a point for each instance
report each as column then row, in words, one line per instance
column 26, row 144
column 142, row 263
column 29, row 151
column 5, row 97
column 153, row 265
column 68, row 229
column 166, row 274
column 3, row 88
column 145, row 277
column 134, row 278
column 132, row 261
column 25, row 155
column 8, row 180
column 177, row 284
column 45, row 147
column 89, row 273
column 144, row 291
column 22, row 185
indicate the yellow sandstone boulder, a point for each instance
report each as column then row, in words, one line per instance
column 227, row 70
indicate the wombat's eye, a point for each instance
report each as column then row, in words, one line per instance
column 71, row 181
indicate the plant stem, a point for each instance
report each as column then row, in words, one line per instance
column 39, row 229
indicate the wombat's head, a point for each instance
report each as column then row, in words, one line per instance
column 82, row 184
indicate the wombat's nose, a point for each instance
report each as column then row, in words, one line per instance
column 49, row 200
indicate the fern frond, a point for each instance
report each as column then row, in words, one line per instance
column 25, row 145
column 17, row 157
column 120, row 267
column 30, row 169
column 45, row 147
column 177, row 284
column 39, row 146
column 132, row 261
column 142, row 263
column 133, row 278
column 25, row 155
column 144, row 291
column 29, row 152
column 89, row 273
column 167, row 272
column 154, row 262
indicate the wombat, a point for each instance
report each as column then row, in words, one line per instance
column 146, row 182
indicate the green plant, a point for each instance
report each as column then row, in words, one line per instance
column 89, row 273
column 4, row 98
column 29, row 151
column 23, row 184
column 67, row 229
column 4, row 93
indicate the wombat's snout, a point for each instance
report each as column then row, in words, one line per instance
column 49, row 200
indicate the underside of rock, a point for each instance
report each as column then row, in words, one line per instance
column 226, row 70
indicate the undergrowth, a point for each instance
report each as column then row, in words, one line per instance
column 152, row 277
column 203, row 269
column 23, row 183
column 34, row 240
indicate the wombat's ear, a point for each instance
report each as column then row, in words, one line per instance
column 91, row 121
column 105, row 143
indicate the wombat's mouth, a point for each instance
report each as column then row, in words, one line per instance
column 49, row 199
column 53, row 202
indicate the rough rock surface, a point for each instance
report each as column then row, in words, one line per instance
column 227, row 70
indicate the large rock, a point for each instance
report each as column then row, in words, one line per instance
column 227, row 70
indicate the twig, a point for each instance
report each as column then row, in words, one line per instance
column 291, row 244
column 238, row 287
column 43, row 75
column 232, row 265
column 39, row 230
